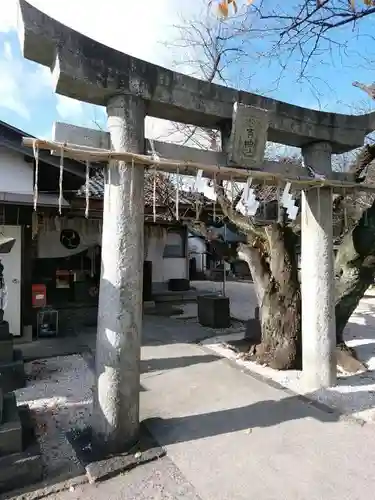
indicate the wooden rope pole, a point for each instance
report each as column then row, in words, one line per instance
column 224, row 172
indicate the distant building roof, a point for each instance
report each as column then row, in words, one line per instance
column 165, row 193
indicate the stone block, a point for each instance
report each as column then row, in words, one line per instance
column 4, row 329
column 6, row 349
column 178, row 285
column 24, row 468
column 12, row 375
column 214, row 311
column 10, row 428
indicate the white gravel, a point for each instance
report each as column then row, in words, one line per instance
column 59, row 391
column 353, row 395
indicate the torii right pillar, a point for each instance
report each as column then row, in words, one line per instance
column 317, row 272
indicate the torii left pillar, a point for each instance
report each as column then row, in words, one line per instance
column 116, row 400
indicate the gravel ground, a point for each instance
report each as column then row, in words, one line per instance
column 59, row 391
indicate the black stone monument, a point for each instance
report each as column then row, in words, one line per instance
column 20, row 458
column 12, row 373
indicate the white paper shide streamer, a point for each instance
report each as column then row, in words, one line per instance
column 156, row 158
column 288, row 202
column 215, row 199
column 61, row 179
column 196, row 189
column 249, row 200
column 198, row 181
column 178, row 194
column 36, row 158
column 87, row 189
column 34, row 224
column 154, row 194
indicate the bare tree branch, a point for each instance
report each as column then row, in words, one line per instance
column 241, row 221
column 311, row 27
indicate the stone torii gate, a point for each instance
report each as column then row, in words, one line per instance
column 130, row 89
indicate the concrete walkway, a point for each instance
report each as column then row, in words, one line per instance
column 230, row 436
column 234, row 437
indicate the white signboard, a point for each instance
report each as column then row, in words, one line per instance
column 248, row 136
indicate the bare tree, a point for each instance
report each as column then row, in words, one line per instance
column 309, row 28
column 271, row 250
column 314, row 18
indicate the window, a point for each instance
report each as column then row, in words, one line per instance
column 175, row 245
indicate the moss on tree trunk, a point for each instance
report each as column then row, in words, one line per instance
column 355, row 269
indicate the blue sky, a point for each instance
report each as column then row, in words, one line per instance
column 28, row 102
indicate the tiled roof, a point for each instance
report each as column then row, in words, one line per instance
column 96, row 187
column 165, row 192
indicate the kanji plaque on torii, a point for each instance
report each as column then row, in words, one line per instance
column 249, row 135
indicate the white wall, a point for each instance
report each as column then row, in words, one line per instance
column 154, row 248
column 163, row 269
column 16, row 176
column 197, row 249
column 17, row 181
column 173, row 268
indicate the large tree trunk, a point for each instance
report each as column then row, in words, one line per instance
column 280, row 301
column 281, row 306
column 355, row 269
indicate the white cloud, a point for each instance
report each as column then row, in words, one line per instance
column 148, row 24
column 8, row 18
column 132, row 27
column 68, row 108
column 20, row 85
column 8, row 54
column 8, row 92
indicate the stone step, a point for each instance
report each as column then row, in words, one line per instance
column 12, row 375
column 179, row 285
column 10, row 428
column 6, row 349
column 25, row 468
column 4, row 329
column 171, row 296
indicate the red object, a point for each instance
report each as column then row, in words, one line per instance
column 39, row 295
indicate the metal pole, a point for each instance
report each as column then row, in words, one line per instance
column 224, row 270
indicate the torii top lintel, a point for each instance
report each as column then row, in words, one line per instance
column 92, row 72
